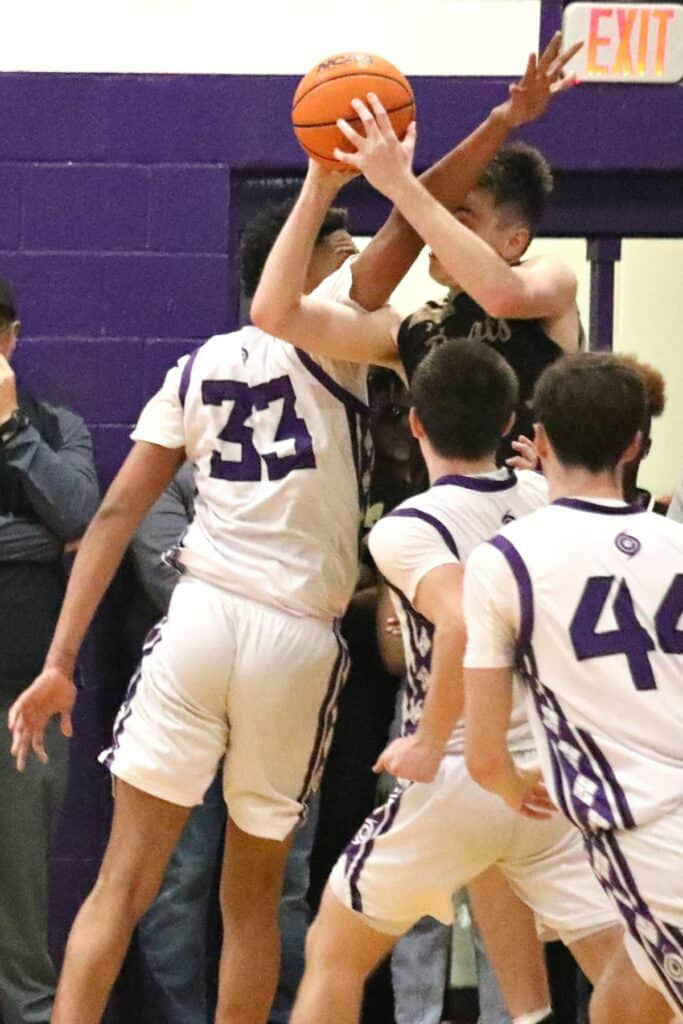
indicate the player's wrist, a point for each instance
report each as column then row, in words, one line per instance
column 502, row 120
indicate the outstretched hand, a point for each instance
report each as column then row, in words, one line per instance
column 52, row 693
column 544, row 78
column 378, row 155
column 527, row 455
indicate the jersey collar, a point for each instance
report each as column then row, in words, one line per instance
column 479, row 483
column 582, row 505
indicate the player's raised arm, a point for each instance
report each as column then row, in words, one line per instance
column 541, row 288
column 323, row 327
column 384, row 262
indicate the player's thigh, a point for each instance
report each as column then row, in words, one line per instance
column 412, row 853
column 172, row 728
column 547, row 865
column 282, row 706
column 622, row 995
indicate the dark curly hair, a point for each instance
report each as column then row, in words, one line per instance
column 519, row 177
column 259, row 237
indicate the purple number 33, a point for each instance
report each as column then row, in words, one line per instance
column 630, row 638
column 247, row 400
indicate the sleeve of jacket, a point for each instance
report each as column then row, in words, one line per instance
column 161, row 530
column 61, row 482
column 27, row 540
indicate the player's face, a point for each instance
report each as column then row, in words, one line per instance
column 479, row 213
column 8, row 339
column 329, row 255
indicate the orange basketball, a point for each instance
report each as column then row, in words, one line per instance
column 325, row 94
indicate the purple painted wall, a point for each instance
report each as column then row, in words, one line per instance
column 116, row 228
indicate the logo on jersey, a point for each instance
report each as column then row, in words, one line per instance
column 508, row 518
column 627, row 544
column 673, row 967
column 245, row 355
column 490, row 330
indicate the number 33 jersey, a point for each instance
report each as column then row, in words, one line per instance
column 281, row 452
column 585, row 598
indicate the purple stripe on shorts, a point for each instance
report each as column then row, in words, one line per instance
column 661, row 942
column 326, row 719
column 593, row 506
column 185, row 377
column 426, row 517
column 524, row 586
column 478, row 483
column 361, row 846
column 125, row 711
column 316, row 370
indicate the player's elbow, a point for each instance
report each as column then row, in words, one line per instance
column 485, row 766
column 503, row 302
column 266, row 317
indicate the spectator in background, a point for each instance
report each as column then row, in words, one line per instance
column 48, row 492
column 177, row 945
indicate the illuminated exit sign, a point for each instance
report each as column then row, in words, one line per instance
column 625, row 42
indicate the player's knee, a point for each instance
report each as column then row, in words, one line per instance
column 130, row 892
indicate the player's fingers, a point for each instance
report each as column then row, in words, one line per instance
column 408, row 143
column 550, row 53
column 378, row 766
column 346, row 158
column 367, row 120
column 66, row 725
column 351, row 134
column 530, row 812
column 562, row 59
column 529, row 71
column 563, row 84
column 38, row 744
column 381, row 117
column 20, row 744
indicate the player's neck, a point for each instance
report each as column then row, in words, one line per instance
column 437, row 466
column 581, row 483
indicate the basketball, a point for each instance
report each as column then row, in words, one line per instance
column 325, row 93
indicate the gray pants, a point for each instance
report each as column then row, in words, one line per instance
column 29, row 805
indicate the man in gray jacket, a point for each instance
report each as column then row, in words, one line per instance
column 48, row 492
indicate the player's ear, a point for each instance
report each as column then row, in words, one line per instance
column 416, row 428
column 517, row 242
column 633, row 451
column 509, row 425
column 541, row 442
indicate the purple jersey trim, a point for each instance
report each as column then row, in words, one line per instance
column 524, row 587
column 185, row 377
column 350, row 401
column 661, row 942
column 604, row 510
column 445, row 534
column 326, row 719
column 478, row 483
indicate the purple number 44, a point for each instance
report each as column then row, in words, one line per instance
column 630, row 638
column 290, row 427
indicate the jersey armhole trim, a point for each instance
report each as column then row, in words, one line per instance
column 351, row 402
column 524, row 589
column 444, row 533
column 185, row 377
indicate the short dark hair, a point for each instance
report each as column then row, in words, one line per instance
column 7, row 317
column 591, row 405
column 259, row 237
column 464, row 393
column 519, row 177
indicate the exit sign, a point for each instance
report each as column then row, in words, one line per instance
column 625, row 42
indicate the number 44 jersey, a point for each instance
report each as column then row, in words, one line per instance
column 585, row 597
column 281, row 452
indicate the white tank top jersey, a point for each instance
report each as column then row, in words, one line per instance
column 440, row 527
column 282, row 455
column 586, row 598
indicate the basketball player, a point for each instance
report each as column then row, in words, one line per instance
column 430, row 838
column 583, row 600
column 524, row 308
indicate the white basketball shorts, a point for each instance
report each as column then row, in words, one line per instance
column 642, row 870
column 430, row 839
column 226, row 675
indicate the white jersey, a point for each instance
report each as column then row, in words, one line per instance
column 440, row 527
column 282, row 456
column 586, row 599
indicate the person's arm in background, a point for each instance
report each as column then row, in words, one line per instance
column 392, row 251
column 61, row 483
column 160, row 530
column 27, row 540
column 676, row 506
